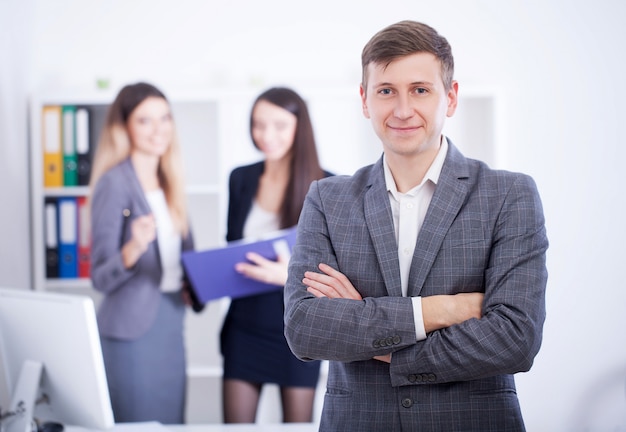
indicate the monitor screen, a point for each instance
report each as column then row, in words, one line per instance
column 60, row 332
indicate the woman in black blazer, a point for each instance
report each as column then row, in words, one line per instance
column 264, row 197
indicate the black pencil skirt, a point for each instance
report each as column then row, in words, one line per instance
column 254, row 347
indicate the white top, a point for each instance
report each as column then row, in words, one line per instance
column 259, row 222
column 409, row 210
column 169, row 241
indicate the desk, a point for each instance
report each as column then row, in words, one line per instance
column 149, row 427
column 287, row 427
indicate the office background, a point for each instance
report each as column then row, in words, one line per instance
column 557, row 67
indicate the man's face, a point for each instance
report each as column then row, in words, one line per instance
column 408, row 103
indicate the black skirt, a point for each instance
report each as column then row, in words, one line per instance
column 254, row 347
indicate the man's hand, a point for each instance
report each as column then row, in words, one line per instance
column 334, row 284
column 441, row 311
column 384, row 358
column 331, row 284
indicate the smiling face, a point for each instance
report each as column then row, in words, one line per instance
column 407, row 104
column 150, row 127
column 273, row 129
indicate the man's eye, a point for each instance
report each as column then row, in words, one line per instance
column 385, row 91
column 421, row 90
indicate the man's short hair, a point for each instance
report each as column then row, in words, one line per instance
column 405, row 38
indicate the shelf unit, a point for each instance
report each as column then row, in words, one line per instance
column 203, row 121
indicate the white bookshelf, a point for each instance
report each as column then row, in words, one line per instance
column 204, row 123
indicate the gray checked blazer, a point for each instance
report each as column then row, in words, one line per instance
column 483, row 232
column 131, row 296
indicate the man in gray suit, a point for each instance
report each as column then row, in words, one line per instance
column 421, row 277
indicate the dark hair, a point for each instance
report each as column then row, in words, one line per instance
column 128, row 98
column 305, row 166
column 405, row 38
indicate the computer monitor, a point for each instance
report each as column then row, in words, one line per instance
column 60, row 333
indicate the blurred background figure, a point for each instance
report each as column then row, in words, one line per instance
column 264, row 197
column 139, row 229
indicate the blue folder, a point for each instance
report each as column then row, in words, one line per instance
column 68, row 237
column 212, row 272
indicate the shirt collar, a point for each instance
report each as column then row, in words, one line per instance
column 433, row 173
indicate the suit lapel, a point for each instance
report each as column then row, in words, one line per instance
column 379, row 222
column 139, row 197
column 447, row 200
column 132, row 181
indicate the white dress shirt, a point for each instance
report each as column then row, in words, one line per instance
column 260, row 222
column 409, row 210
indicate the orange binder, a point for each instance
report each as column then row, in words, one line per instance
column 52, row 149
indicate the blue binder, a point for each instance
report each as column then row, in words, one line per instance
column 68, row 237
column 212, row 272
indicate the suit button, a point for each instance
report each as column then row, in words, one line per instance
column 419, row 378
column 389, row 341
column 432, row 377
column 396, row 340
column 407, row 402
column 412, row 378
column 376, row 344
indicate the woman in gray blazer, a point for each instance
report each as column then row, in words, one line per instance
column 139, row 229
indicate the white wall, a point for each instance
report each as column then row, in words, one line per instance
column 14, row 58
column 556, row 65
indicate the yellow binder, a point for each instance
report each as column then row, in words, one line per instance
column 52, row 148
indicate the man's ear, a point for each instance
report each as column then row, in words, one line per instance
column 453, row 99
column 366, row 112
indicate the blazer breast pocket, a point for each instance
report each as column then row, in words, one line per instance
column 464, row 254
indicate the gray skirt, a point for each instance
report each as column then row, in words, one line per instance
column 147, row 376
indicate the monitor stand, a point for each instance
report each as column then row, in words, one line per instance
column 24, row 397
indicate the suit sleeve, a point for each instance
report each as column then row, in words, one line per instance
column 508, row 336
column 107, row 234
column 337, row 329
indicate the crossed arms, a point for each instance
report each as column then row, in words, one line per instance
column 483, row 311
